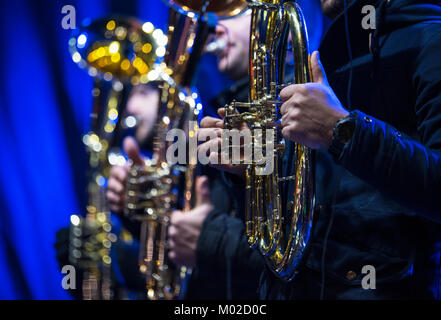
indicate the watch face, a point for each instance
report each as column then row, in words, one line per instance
column 345, row 130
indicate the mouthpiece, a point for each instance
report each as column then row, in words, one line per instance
column 130, row 122
column 216, row 46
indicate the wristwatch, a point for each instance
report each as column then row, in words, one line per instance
column 343, row 132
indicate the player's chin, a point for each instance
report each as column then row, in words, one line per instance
column 222, row 64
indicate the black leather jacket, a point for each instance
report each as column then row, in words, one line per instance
column 380, row 197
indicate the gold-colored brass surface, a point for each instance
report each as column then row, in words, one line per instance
column 121, row 48
column 280, row 229
column 222, row 8
column 154, row 190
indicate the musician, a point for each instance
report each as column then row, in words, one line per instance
column 372, row 113
column 208, row 238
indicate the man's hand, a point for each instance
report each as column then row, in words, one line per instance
column 116, row 186
column 310, row 111
column 185, row 227
column 216, row 126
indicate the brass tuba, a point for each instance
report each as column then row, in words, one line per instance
column 117, row 54
column 158, row 187
column 280, row 229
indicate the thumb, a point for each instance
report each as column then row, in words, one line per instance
column 221, row 112
column 132, row 150
column 202, row 190
column 318, row 72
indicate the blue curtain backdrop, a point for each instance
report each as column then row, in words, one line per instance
column 45, row 103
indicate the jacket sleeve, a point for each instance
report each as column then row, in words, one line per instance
column 223, row 251
column 406, row 170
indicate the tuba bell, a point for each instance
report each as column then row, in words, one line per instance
column 278, row 228
column 118, row 54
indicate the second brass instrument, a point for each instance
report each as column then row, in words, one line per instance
column 157, row 188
